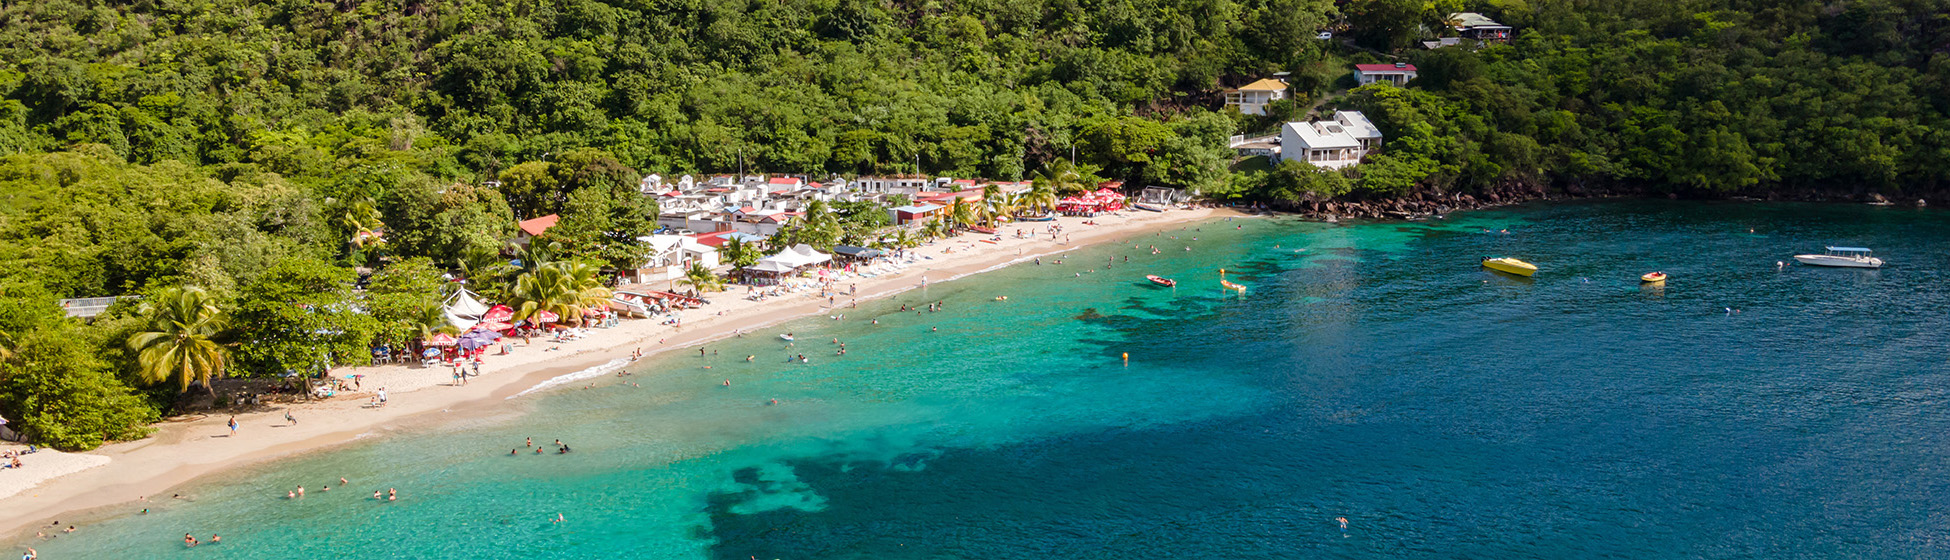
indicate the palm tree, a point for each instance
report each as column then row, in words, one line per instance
column 428, row 320
column 932, row 229
column 1062, row 177
column 1002, row 205
column 739, row 254
column 701, row 279
column 180, row 340
column 961, row 213
column 1041, row 195
column 992, row 202
column 564, row 288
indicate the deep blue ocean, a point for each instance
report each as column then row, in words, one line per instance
column 1371, row 371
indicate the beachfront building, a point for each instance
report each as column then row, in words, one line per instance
column 915, row 213
column 668, row 256
column 1398, row 73
column 1331, row 144
column 1251, row 99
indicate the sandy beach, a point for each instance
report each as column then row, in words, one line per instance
column 61, row 486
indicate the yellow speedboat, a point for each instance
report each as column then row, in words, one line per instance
column 1510, row 266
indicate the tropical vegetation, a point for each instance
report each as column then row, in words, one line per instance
column 274, row 188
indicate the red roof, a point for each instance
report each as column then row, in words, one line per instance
column 712, row 239
column 538, row 225
column 783, row 181
column 1371, row 68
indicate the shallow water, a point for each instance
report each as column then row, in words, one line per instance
column 1372, row 371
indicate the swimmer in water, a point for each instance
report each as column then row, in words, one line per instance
column 727, row 382
column 1343, row 521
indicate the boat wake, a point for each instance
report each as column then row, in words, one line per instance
column 565, row 379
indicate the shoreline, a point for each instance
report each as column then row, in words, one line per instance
column 184, row 450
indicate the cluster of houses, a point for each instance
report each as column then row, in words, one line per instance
column 698, row 216
column 1343, row 138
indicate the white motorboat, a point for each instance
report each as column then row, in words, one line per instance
column 1849, row 257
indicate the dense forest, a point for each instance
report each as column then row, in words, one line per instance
column 240, row 163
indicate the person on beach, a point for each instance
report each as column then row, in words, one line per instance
column 30, row 555
column 289, row 418
column 233, row 427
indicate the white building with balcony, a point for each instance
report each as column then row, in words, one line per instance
column 1332, row 144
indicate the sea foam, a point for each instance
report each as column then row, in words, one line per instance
column 598, row 371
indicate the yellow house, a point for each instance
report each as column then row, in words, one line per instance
column 1251, row 99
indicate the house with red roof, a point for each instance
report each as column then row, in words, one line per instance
column 531, row 228
column 1398, row 73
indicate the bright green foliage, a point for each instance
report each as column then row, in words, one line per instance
column 564, row 288
column 59, row 393
column 405, row 300
column 739, row 254
column 53, row 385
column 180, row 341
column 301, row 317
column 701, row 279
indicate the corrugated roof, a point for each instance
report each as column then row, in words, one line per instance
column 1374, row 68
column 1265, row 84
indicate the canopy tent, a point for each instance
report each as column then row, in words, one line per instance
column 770, row 266
column 856, row 252
column 463, row 310
column 798, row 256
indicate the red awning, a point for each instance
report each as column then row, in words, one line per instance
column 442, row 339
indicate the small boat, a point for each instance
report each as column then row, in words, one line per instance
column 1042, row 218
column 1148, row 207
column 1229, row 285
column 980, row 229
column 786, row 337
column 1510, row 266
column 1161, row 281
column 1847, row 257
column 1653, row 278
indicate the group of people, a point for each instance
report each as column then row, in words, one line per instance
column 11, row 459
column 529, row 443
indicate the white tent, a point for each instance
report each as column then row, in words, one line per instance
column 792, row 258
column 463, row 310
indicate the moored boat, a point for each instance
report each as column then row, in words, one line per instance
column 1148, row 207
column 1509, row 265
column 1229, row 285
column 1653, row 278
column 1845, row 257
column 1042, row 218
column 1161, row 281
column 786, row 337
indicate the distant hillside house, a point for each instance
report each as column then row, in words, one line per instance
column 1472, row 25
column 1398, row 73
column 1330, row 144
column 1251, row 99
column 535, row 227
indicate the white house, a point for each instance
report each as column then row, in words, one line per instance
column 1251, row 99
column 1398, row 73
column 669, row 256
column 1331, row 144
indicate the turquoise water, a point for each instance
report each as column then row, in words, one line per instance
column 1372, row 372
